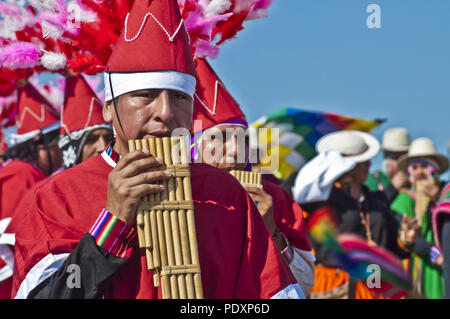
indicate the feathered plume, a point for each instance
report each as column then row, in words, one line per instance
column 17, row 55
column 212, row 22
column 53, row 61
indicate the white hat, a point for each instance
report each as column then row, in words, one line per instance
column 396, row 140
column 316, row 178
column 355, row 145
column 423, row 147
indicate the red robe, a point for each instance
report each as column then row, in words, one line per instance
column 16, row 177
column 237, row 256
column 288, row 216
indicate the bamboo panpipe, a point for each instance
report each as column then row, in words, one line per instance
column 166, row 225
column 249, row 179
column 422, row 200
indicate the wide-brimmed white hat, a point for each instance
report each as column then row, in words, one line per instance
column 315, row 179
column 355, row 145
column 396, row 139
column 423, row 147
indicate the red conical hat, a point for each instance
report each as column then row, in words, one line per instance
column 82, row 107
column 34, row 111
column 153, row 39
column 213, row 104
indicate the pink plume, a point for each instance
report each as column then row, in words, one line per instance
column 206, row 49
column 259, row 9
column 9, row 9
column 19, row 55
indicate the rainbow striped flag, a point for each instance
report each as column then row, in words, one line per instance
column 299, row 130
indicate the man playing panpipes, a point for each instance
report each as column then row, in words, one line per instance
column 212, row 144
column 149, row 87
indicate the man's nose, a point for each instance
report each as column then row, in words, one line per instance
column 162, row 108
column 233, row 146
column 101, row 144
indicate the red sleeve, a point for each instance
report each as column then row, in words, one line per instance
column 288, row 216
column 262, row 264
column 15, row 179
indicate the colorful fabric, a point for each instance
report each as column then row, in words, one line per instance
column 330, row 283
column 354, row 255
column 426, row 276
column 442, row 208
column 113, row 235
column 299, row 132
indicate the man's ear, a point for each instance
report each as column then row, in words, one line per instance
column 107, row 111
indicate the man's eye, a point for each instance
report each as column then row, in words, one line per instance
column 181, row 97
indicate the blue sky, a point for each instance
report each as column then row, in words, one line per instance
column 320, row 55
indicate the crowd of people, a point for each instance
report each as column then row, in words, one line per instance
column 70, row 186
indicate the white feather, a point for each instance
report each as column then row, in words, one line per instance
column 53, row 61
column 242, row 5
column 51, row 31
column 216, row 7
column 44, row 4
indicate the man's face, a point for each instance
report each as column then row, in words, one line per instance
column 148, row 113
column 96, row 142
column 419, row 171
column 225, row 147
column 358, row 175
column 49, row 160
column 391, row 159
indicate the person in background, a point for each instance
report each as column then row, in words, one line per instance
column 84, row 132
column 221, row 139
column 424, row 166
column 441, row 229
column 391, row 180
column 32, row 157
column 358, row 211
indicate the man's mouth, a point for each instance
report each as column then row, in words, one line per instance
column 158, row 134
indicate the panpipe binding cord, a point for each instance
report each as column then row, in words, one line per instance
column 166, row 224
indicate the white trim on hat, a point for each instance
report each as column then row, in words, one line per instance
column 128, row 82
column 19, row 138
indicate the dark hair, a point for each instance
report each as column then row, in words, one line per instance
column 27, row 150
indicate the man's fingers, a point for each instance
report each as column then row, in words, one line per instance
column 252, row 189
column 146, row 189
column 138, row 165
column 131, row 157
column 153, row 177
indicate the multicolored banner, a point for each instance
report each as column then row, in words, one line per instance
column 299, row 130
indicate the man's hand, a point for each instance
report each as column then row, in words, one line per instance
column 264, row 202
column 432, row 191
column 409, row 229
column 135, row 176
column 265, row 206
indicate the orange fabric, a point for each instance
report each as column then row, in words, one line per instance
column 362, row 291
column 327, row 279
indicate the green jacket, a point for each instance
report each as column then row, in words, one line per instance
column 427, row 276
